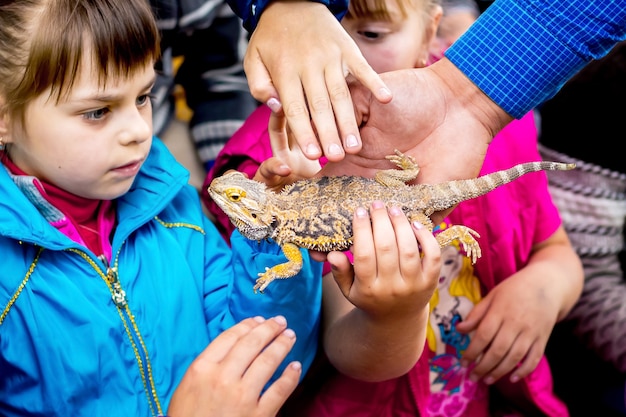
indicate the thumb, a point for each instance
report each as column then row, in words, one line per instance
column 342, row 271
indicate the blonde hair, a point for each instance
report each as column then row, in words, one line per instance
column 465, row 284
column 41, row 42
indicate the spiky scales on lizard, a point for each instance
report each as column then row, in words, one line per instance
column 317, row 213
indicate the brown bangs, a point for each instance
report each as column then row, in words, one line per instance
column 373, row 9
column 119, row 34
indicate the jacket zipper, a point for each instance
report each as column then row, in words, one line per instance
column 118, row 295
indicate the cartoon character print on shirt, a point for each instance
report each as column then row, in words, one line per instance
column 458, row 290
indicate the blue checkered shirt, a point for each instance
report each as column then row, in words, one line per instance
column 520, row 52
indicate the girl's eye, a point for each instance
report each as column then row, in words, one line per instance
column 96, row 114
column 370, row 35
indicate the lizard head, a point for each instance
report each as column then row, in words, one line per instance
column 244, row 202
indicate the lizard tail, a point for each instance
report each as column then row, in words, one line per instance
column 449, row 194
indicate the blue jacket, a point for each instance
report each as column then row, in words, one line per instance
column 68, row 349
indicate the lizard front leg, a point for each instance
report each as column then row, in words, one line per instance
column 465, row 235
column 285, row 270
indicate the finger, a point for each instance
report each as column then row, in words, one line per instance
column 475, row 316
column 363, row 248
column 515, row 354
column 277, row 129
column 343, row 271
column 431, row 261
column 270, row 169
column 276, row 395
column 222, row 344
column 529, row 363
column 344, row 119
column 386, row 248
column 341, row 99
column 496, row 354
column 323, row 115
column 482, row 338
column 408, row 250
column 297, row 115
column 259, row 80
column 265, row 364
column 248, row 347
column 365, row 74
column 318, row 256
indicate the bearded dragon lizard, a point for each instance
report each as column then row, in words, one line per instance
column 317, row 213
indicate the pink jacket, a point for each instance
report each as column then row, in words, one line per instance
column 509, row 220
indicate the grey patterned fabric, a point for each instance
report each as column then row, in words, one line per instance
column 592, row 203
column 212, row 41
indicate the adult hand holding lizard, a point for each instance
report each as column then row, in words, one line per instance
column 514, row 54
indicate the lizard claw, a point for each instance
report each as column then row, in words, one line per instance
column 264, row 280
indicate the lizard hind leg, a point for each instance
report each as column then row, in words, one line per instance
column 466, row 236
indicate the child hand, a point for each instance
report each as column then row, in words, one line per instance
column 383, row 298
column 288, row 164
column 389, row 277
column 309, row 78
column 285, row 148
column 512, row 325
column 275, row 174
column 228, row 377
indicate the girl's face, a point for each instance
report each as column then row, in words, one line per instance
column 93, row 142
column 400, row 43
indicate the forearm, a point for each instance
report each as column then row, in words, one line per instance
column 371, row 348
column 559, row 275
column 520, row 53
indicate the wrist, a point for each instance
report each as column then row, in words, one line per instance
column 462, row 92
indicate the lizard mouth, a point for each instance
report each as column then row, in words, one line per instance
column 250, row 231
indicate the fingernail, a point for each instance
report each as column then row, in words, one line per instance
column 361, row 212
column 296, row 366
column 385, row 92
column 489, row 380
column 259, row 319
column 351, row 141
column 395, row 211
column 335, row 149
column 514, row 378
column 312, row 149
column 377, row 204
column 274, row 105
column 280, row 320
column 289, row 333
column 417, row 225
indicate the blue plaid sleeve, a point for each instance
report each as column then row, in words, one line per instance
column 520, row 52
column 250, row 10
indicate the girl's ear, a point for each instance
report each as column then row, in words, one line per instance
column 433, row 23
column 430, row 33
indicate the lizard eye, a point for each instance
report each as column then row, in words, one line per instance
column 234, row 194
